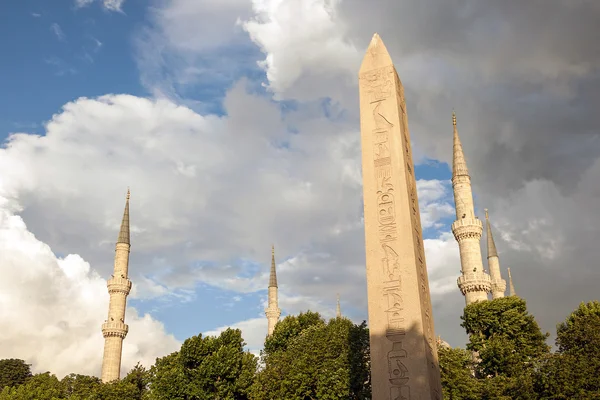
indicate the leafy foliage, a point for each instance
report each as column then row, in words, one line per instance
column 13, row 372
column 574, row 372
column 314, row 360
column 205, row 368
column 508, row 344
column 290, row 328
column 505, row 336
column 456, row 369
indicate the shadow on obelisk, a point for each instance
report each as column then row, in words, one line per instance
column 406, row 371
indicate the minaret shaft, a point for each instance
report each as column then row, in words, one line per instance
column 498, row 284
column 511, row 287
column 474, row 283
column 273, row 312
column 338, row 308
column 114, row 329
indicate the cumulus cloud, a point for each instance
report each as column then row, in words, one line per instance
column 111, row 5
column 52, row 308
column 299, row 38
column 208, row 189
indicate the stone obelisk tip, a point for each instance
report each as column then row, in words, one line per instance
column 377, row 55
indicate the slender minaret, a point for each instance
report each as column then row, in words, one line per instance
column 114, row 329
column 272, row 311
column 474, row 283
column 338, row 309
column 498, row 284
column 511, row 287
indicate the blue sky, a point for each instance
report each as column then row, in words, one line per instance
column 56, row 53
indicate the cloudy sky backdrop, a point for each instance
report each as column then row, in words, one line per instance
column 235, row 123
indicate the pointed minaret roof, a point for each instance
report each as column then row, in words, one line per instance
column 491, row 246
column 124, row 232
column 273, row 278
column 377, row 55
column 459, row 164
column 511, row 287
column 338, row 310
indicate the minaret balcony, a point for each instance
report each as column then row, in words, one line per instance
column 112, row 329
column 499, row 285
column 466, row 228
column 272, row 312
column 119, row 285
column 474, row 282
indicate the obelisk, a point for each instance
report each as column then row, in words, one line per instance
column 404, row 362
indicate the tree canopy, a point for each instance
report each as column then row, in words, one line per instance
column 308, row 357
column 315, row 360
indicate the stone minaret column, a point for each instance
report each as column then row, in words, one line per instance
column 272, row 311
column 511, row 287
column 474, row 283
column 114, row 329
column 498, row 284
column 338, row 309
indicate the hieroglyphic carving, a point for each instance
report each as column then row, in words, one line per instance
column 379, row 85
column 422, row 270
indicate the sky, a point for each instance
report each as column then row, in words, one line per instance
column 235, row 124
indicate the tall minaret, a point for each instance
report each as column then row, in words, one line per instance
column 272, row 311
column 498, row 284
column 474, row 283
column 119, row 285
column 338, row 309
column 511, row 287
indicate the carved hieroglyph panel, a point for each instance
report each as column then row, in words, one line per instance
column 379, row 86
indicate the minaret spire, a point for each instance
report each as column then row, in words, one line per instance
column 114, row 329
column 474, row 283
column 272, row 311
column 338, row 309
column 124, row 231
column 498, row 284
column 273, row 277
column 459, row 163
column 511, row 287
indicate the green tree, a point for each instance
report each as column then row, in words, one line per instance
column 215, row 368
column 13, row 372
column 456, row 369
column 39, row 387
column 574, row 371
column 76, row 387
column 322, row 361
column 509, row 346
column 289, row 328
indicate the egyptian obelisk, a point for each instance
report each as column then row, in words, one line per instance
column 404, row 362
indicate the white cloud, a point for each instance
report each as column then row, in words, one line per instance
column 52, row 309
column 111, row 5
column 57, row 30
column 298, row 38
column 254, row 332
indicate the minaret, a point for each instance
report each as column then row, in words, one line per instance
column 511, row 287
column 338, row 309
column 474, row 283
column 498, row 284
column 114, row 329
column 272, row 311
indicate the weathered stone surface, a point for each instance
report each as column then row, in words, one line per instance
column 404, row 361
